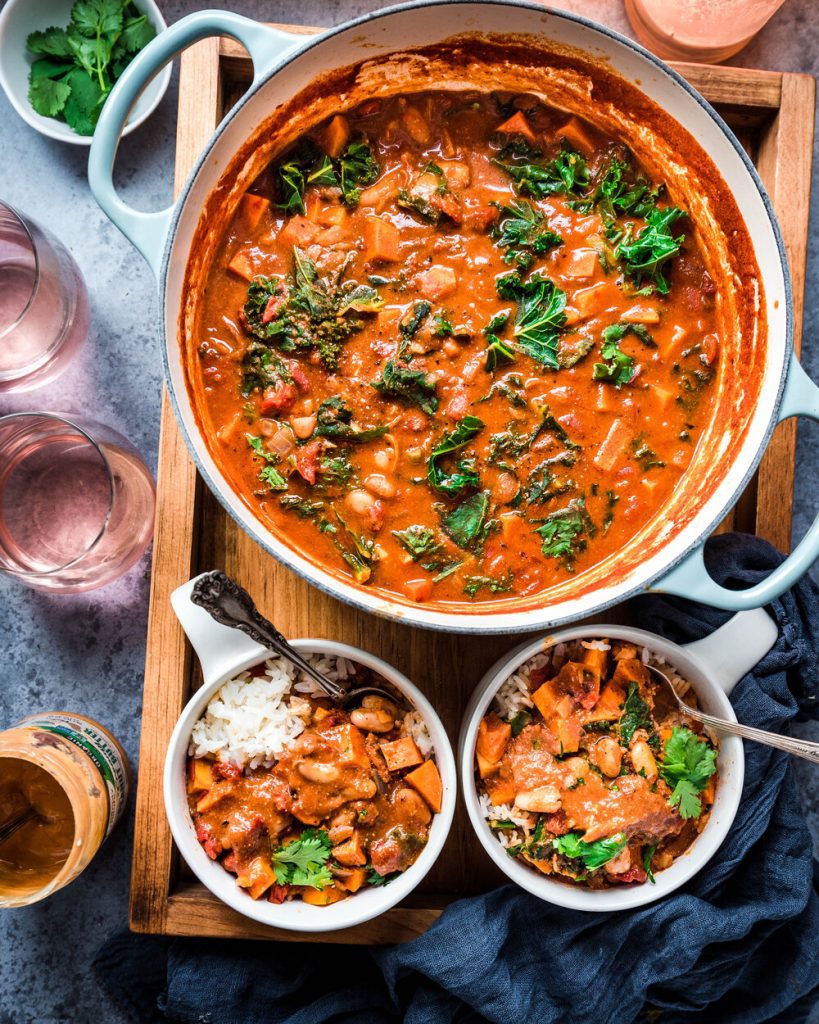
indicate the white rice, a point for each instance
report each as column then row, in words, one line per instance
column 514, row 695
column 251, row 720
column 416, row 727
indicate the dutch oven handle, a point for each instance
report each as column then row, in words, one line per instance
column 691, row 579
column 266, row 46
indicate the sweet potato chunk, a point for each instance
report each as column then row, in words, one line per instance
column 437, row 282
column 298, row 231
column 576, row 135
column 323, row 897
column 336, row 136
column 256, row 877
column 201, row 776
column 351, row 852
column 351, row 880
column 517, row 125
column 382, row 239
column 252, row 209
column 545, row 698
column 611, row 450
column 427, row 781
column 597, row 660
column 607, row 709
column 401, row 753
column 493, row 736
column 350, row 742
column 241, row 266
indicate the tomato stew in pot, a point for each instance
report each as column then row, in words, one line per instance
column 457, row 346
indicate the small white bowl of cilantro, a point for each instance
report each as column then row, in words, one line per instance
column 59, row 60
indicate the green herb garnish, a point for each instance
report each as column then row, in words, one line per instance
column 412, row 386
column 540, row 315
column 593, row 855
column 646, row 253
column 304, row 860
column 268, row 474
column 77, row 66
column 334, row 419
column 520, row 231
column 636, row 715
column 687, row 765
column 465, row 475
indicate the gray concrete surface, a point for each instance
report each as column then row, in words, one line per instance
column 87, row 652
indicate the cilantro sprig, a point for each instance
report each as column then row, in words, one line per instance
column 77, row 66
column 592, row 855
column 687, row 765
column 304, row 860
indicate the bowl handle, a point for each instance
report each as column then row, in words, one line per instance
column 266, row 46
column 733, row 649
column 219, row 648
column 690, row 578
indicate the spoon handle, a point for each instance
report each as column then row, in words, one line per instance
column 231, row 605
column 790, row 744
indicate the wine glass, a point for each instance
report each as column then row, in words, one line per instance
column 76, row 502
column 43, row 304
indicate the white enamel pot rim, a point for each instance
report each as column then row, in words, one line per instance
column 224, row 652
column 713, row 666
column 285, row 64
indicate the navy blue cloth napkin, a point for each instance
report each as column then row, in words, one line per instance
column 739, row 943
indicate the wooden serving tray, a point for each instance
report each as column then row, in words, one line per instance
column 772, row 114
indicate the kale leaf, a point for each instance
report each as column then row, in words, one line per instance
column 413, row 386
column 465, row 476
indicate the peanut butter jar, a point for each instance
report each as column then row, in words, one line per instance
column 68, row 779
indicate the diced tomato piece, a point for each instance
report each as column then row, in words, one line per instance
column 300, row 378
column 278, row 893
column 634, row 874
column 479, row 218
column 448, row 205
column 226, row 770
column 307, row 461
column 230, row 863
column 556, row 823
column 274, row 304
column 279, row 398
column 458, row 405
column 375, row 514
column 538, row 676
column 414, row 421
column 210, row 844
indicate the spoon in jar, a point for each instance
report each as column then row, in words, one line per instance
column 231, row 605
column 793, row 745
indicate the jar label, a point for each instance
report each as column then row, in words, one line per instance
column 94, row 743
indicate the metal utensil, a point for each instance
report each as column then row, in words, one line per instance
column 790, row 744
column 231, row 605
column 8, row 828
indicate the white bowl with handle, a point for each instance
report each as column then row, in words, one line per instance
column 223, row 653
column 713, row 666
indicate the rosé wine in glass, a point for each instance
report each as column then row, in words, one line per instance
column 76, row 502
column 43, row 304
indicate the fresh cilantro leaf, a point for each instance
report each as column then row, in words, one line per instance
column 465, row 477
column 304, row 860
column 635, row 715
column 94, row 18
column 84, row 102
column 373, row 877
column 137, row 32
column 646, row 253
column 47, row 96
column 688, row 763
column 444, row 328
column 51, row 41
column 593, row 855
column 648, row 853
column 413, row 386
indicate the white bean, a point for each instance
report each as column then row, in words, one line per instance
column 360, row 501
column 380, row 485
column 607, row 754
column 374, row 720
column 543, row 800
column 318, row 771
column 643, row 760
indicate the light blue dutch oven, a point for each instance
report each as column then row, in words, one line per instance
column 668, row 554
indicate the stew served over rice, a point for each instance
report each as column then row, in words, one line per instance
column 301, row 800
column 585, row 770
column 457, row 346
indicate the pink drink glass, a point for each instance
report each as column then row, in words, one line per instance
column 43, row 304
column 76, row 502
